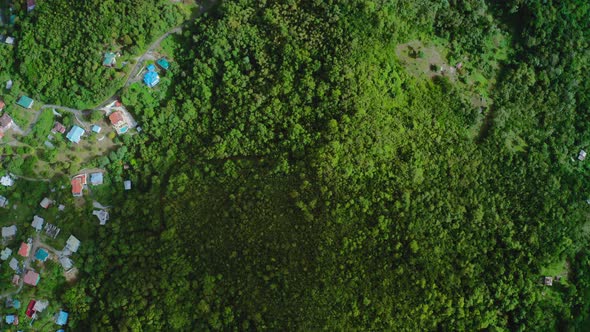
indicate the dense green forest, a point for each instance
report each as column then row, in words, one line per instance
column 295, row 176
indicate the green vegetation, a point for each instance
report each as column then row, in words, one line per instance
column 306, row 165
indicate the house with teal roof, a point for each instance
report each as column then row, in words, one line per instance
column 62, row 318
column 75, row 134
column 41, row 255
column 25, row 102
column 110, row 59
column 163, row 63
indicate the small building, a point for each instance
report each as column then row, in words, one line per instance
column 9, row 85
column 61, row 207
column 66, row 263
column 582, row 155
column 32, row 278
column 25, row 102
column 102, row 215
column 59, row 128
column 30, row 311
column 151, row 79
column 72, row 244
column 16, row 280
column 119, row 123
column 110, row 59
column 75, row 134
column 78, row 183
column 9, row 40
column 45, row 203
column 127, row 185
column 5, row 121
column 5, row 254
column 41, row 255
column 9, row 231
column 25, row 249
column 62, row 318
column 96, row 179
column 96, row 129
column 16, row 304
column 163, row 63
column 13, row 264
column 30, row 5
column 548, row 281
column 3, row 202
column 40, row 305
column 7, row 181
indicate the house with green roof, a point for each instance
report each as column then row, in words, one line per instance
column 25, row 102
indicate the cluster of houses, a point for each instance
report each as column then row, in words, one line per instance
column 33, row 309
column 152, row 78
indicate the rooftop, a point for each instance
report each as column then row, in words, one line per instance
column 5, row 254
column 32, row 278
column 62, row 318
column 75, row 134
column 109, row 59
column 163, row 63
column 41, row 254
column 45, row 202
column 59, row 128
column 72, row 243
column 102, row 215
column 37, row 223
column 96, row 178
column 151, row 79
column 25, row 102
column 7, row 181
column 9, row 231
column 24, row 250
column 5, row 121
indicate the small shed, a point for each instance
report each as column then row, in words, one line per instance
column 151, row 68
column 9, row 85
column 9, row 40
column 61, row 207
column 7, row 181
column 3, row 201
column 16, row 304
column 25, row 102
column 5, row 121
column 62, row 318
column 127, row 185
column 548, row 281
column 30, row 5
column 582, row 155
column 163, row 63
column 96, row 129
column 59, row 128
column 16, row 280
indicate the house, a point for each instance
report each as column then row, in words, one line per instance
column 103, row 216
column 41, row 255
column 25, row 249
column 11, row 320
column 163, row 63
column 5, row 254
column 96, row 129
column 15, row 278
column 151, row 78
column 110, row 59
column 119, row 123
column 9, row 231
column 59, row 128
column 61, row 207
column 75, row 134
column 30, row 311
column 32, row 278
column 9, row 40
column 548, row 281
column 582, row 155
column 7, row 181
column 45, row 203
column 30, row 5
column 13, row 264
column 5, row 121
column 66, row 263
column 62, row 318
column 37, row 223
column 25, row 102
column 72, row 244
column 96, row 178
column 78, row 183
column 3, row 201
column 127, row 185
column 9, row 85
column 16, row 304
column 40, row 305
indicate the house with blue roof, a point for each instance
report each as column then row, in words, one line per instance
column 151, row 78
column 25, row 102
column 9, row 319
column 62, row 318
column 96, row 179
column 96, row 128
column 110, row 59
column 163, row 63
column 41, row 255
column 75, row 134
column 151, row 68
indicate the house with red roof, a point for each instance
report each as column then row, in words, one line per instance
column 119, row 122
column 32, row 278
column 78, row 184
column 25, row 249
column 30, row 312
column 59, row 128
